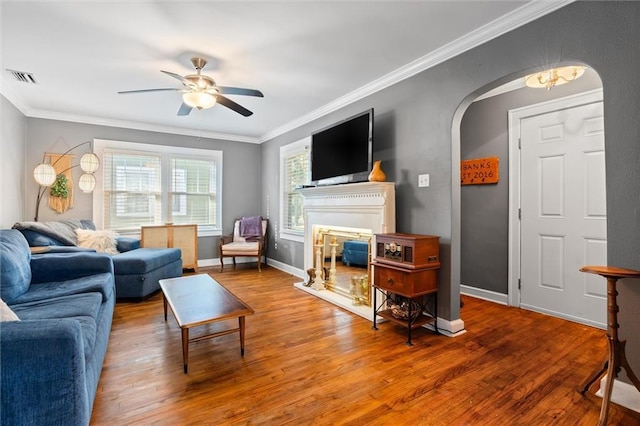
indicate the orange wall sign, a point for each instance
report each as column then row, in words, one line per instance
column 479, row 171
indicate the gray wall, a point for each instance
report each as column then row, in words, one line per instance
column 484, row 227
column 12, row 163
column 418, row 123
column 241, row 170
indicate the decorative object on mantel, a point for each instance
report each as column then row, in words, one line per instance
column 57, row 175
column 377, row 175
column 554, row 77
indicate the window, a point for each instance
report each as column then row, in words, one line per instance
column 150, row 185
column 294, row 172
column 192, row 191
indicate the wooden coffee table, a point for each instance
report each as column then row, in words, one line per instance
column 198, row 300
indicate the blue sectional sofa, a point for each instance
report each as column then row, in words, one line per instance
column 137, row 270
column 51, row 359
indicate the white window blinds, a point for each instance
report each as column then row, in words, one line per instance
column 192, row 191
column 145, row 184
column 297, row 174
column 132, row 190
column 294, row 173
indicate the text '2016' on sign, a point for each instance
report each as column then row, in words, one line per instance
column 479, row 171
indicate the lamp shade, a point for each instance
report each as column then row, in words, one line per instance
column 87, row 182
column 89, row 162
column 200, row 100
column 44, row 174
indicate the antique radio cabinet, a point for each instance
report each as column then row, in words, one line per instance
column 408, row 250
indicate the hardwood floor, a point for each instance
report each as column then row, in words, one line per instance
column 309, row 362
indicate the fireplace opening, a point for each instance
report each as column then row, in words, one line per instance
column 342, row 261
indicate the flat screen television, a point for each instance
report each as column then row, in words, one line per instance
column 343, row 152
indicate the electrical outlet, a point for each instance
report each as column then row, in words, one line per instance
column 423, row 180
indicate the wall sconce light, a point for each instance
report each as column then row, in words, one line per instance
column 554, row 77
column 45, row 174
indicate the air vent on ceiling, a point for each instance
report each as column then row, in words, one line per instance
column 25, row 77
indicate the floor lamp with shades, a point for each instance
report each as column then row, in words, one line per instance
column 45, row 174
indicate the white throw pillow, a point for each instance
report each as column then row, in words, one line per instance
column 6, row 314
column 100, row 241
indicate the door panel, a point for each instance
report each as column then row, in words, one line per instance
column 563, row 202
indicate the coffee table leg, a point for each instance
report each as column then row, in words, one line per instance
column 241, row 324
column 185, row 348
column 164, row 302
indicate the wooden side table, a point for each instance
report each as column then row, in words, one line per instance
column 617, row 358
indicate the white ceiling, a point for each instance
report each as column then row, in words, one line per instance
column 307, row 57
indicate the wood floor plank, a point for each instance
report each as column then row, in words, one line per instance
column 309, row 362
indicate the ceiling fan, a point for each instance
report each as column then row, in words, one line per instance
column 201, row 91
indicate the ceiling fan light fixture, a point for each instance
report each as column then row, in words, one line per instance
column 554, row 77
column 200, row 100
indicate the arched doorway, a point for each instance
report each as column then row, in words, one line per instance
column 488, row 268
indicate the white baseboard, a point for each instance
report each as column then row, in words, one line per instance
column 449, row 328
column 287, row 268
column 483, row 294
column 203, row 263
column 445, row 327
column 623, row 394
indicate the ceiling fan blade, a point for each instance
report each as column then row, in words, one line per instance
column 225, row 90
column 124, row 92
column 184, row 109
column 234, row 106
column 181, row 78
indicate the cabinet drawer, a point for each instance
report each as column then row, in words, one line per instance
column 405, row 282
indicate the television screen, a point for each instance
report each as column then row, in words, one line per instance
column 343, row 152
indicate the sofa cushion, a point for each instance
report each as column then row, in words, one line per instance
column 97, row 283
column 84, row 308
column 240, row 248
column 144, row 260
column 15, row 268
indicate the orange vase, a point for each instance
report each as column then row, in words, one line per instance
column 377, row 175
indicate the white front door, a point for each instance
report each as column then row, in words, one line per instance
column 563, row 213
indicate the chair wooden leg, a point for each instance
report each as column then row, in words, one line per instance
column 221, row 263
column 259, row 261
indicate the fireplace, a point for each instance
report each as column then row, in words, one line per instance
column 344, row 213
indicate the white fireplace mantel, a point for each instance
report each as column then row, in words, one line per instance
column 369, row 207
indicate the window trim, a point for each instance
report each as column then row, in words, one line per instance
column 286, row 151
column 99, row 145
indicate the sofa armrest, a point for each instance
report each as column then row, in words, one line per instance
column 42, row 373
column 127, row 244
column 67, row 266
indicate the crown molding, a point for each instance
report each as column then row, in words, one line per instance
column 514, row 19
column 17, row 101
column 518, row 17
